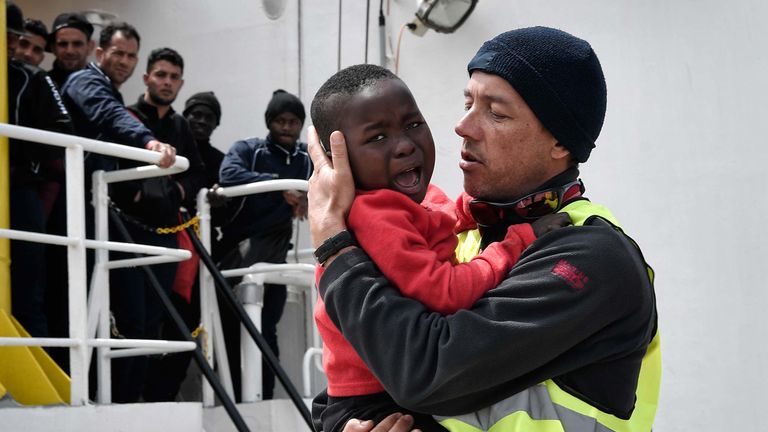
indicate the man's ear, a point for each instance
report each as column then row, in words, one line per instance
column 99, row 54
column 559, row 152
column 145, row 77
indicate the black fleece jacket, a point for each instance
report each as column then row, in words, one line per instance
column 533, row 327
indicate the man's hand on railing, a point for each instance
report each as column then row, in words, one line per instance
column 297, row 200
column 167, row 151
column 215, row 199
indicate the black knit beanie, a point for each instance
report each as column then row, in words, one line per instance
column 204, row 98
column 559, row 77
column 14, row 18
column 281, row 102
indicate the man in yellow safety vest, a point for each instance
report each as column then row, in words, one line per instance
column 568, row 341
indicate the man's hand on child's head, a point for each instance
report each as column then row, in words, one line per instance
column 550, row 223
column 331, row 188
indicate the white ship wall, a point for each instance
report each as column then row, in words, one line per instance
column 680, row 160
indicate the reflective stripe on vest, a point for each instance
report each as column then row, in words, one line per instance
column 547, row 408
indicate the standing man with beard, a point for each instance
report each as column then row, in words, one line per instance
column 33, row 101
column 70, row 41
column 203, row 113
column 71, row 44
column 96, row 106
column 261, row 227
column 164, row 79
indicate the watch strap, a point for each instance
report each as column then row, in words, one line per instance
column 333, row 245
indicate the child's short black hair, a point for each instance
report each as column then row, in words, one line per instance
column 348, row 81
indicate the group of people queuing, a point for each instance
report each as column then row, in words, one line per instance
column 82, row 97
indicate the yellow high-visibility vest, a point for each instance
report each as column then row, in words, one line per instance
column 546, row 407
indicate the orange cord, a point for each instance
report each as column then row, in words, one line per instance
column 397, row 52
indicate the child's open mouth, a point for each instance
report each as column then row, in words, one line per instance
column 409, row 178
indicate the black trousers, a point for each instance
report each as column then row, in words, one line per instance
column 138, row 311
column 269, row 247
column 166, row 373
column 56, row 285
column 28, row 261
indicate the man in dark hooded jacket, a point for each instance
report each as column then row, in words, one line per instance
column 261, row 228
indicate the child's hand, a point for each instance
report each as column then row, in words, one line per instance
column 549, row 223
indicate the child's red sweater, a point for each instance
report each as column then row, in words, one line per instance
column 414, row 247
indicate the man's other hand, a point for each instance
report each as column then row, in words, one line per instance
column 297, row 200
column 167, row 153
column 393, row 423
column 550, row 223
column 215, row 199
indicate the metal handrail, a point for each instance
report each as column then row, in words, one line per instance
column 209, row 309
column 294, row 274
column 88, row 144
column 245, row 320
column 79, row 342
column 97, row 306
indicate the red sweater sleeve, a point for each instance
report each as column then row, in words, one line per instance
column 414, row 248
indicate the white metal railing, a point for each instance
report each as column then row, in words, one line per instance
column 86, row 316
column 89, row 325
column 294, row 274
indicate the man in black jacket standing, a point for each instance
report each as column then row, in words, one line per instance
column 71, row 44
column 203, row 111
column 164, row 79
column 262, row 224
column 33, row 101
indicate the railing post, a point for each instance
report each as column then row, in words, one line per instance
column 76, row 266
column 100, row 286
column 209, row 310
column 251, row 294
column 206, row 287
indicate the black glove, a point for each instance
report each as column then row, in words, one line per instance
column 215, row 199
column 549, row 223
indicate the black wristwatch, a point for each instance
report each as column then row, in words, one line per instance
column 333, row 245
